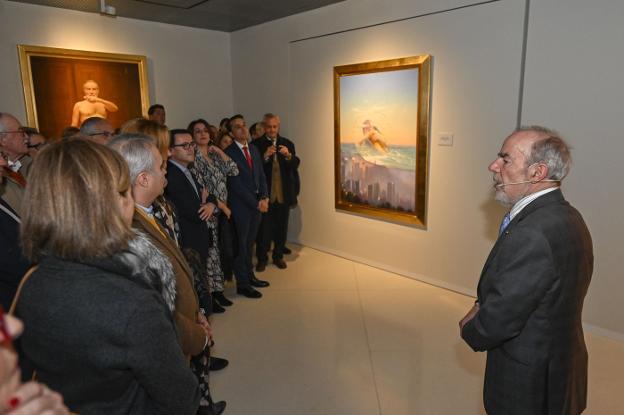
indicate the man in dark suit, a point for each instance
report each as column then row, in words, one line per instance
column 531, row 291
column 192, row 204
column 248, row 199
column 280, row 167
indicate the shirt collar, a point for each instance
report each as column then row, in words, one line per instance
column 524, row 202
column 15, row 165
column 148, row 210
column 241, row 145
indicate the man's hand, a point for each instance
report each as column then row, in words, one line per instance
column 203, row 321
column 263, row 205
column 206, row 210
column 269, row 152
column 284, row 151
column 473, row 312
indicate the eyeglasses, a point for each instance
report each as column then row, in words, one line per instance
column 22, row 132
column 104, row 133
column 187, row 146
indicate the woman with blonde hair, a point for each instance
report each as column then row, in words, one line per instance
column 99, row 305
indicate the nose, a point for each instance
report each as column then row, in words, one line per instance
column 494, row 166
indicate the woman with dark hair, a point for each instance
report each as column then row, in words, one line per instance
column 99, row 305
column 211, row 169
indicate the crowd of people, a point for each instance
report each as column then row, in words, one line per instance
column 117, row 245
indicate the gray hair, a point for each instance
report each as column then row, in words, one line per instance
column 551, row 150
column 91, row 124
column 136, row 149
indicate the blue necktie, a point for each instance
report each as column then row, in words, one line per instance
column 504, row 223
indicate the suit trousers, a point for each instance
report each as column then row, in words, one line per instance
column 274, row 227
column 227, row 246
column 246, row 224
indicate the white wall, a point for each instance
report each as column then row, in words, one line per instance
column 574, row 83
column 476, row 76
column 189, row 69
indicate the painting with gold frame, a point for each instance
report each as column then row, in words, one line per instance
column 62, row 87
column 381, row 137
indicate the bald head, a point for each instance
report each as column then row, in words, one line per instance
column 543, row 145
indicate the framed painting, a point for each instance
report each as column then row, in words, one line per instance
column 63, row 87
column 381, row 137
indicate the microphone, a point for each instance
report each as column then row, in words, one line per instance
column 525, row 181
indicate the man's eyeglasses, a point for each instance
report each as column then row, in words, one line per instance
column 106, row 134
column 187, row 146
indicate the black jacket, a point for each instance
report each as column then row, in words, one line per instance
column 288, row 168
column 531, row 296
column 104, row 337
column 13, row 265
column 194, row 232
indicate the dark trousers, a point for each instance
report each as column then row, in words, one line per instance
column 246, row 224
column 274, row 227
column 227, row 246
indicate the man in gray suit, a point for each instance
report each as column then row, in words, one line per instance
column 531, row 291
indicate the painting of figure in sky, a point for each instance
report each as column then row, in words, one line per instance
column 378, row 129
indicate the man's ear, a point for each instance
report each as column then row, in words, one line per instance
column 142, row 179
column 540, row 172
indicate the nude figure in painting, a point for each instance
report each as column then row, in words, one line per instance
column 91, row 105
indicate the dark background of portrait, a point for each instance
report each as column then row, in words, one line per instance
column 57, row 84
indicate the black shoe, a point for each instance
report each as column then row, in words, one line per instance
column 217, row 363
column 255, row 282
column 215, row 408
column 248, row 292
column 218, row 296
column 286, row 250
column 261, row 266
column 280, row 263
column 216, row 308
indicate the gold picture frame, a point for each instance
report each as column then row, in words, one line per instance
column 54, row 79
column 381, row 139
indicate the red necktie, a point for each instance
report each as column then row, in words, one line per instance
column 15, row 176
column 248, row 157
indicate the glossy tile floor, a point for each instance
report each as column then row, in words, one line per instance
column 334, row 337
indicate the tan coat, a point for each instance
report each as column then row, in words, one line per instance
column 191, row 334
column 13, row 193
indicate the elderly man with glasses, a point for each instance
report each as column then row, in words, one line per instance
column 14, row 146
column 97, row 129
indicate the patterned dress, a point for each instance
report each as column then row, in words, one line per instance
column 212, row 174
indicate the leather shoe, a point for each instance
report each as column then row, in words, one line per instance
column 255, row 282
column 216, row 308
column 286, row 251
column 218, row 297
column 280, row 263
column 217, row 363
column 248, row 292
column 215, row 408
column 261, row 266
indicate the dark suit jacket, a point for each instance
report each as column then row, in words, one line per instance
column 530, row 296
column 288, row 168
column 192, row 336
column 249, row 186
column 194, row 232
column 13, row 265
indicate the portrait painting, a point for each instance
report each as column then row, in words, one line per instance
column 64, row 87
column 381, row 112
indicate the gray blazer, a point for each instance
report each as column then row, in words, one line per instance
column 531, row 294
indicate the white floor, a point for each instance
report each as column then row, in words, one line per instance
column 334, row 337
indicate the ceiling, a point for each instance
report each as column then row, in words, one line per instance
column 222, row 15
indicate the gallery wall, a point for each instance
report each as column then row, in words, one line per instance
column 191, row 81
column 477, row 66
column 574, row 83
